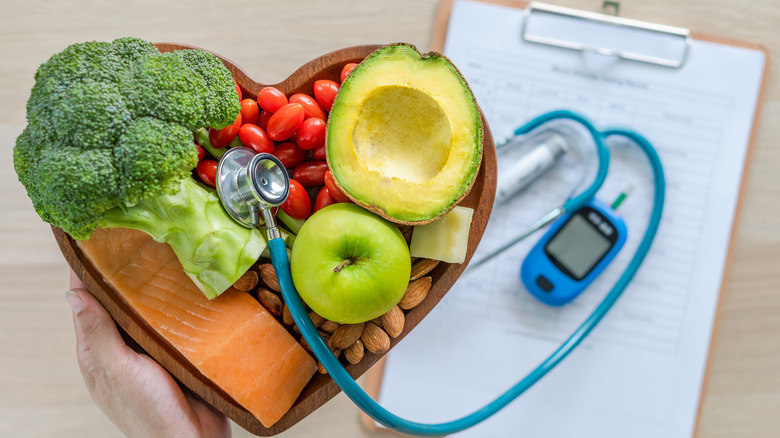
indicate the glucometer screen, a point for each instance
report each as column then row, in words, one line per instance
column 577, row 247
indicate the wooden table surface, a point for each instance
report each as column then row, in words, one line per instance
column 41, row 391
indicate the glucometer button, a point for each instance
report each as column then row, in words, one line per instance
column 544, row 283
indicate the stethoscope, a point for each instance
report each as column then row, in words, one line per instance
column 250, row 185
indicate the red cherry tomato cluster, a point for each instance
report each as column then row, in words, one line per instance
column 293, row 130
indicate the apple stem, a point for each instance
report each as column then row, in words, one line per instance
column 341, row 265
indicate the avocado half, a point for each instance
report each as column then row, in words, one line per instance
column 404, row 135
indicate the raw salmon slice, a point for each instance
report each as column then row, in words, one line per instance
column 231, row 339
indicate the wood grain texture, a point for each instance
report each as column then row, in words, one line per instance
column 321, row 388
column 41, row 390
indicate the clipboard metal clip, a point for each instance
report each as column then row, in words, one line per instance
column 606, row 35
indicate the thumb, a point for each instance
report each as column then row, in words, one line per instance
column 98, row 343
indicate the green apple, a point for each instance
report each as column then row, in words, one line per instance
column 349, row 265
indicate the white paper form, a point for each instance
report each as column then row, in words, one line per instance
column 640, row 372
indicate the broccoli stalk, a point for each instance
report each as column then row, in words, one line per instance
column 202, row 138
column 109, row 143
column 213, row 250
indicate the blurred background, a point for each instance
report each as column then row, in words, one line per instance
column 41, row 390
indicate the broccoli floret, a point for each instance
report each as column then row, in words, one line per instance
column 74, row 187
column 109, row 143
column 91, row 115
column 151, row 157
column 83, row 62
column 220, row 108
column 161, row 86
column 130, row 50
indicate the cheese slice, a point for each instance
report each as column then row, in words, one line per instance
column 445, row 239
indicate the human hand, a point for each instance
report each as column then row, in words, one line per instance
column 134, row 392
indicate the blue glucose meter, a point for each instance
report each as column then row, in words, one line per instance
column 573, row 252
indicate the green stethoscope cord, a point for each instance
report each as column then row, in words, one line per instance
column 374, row 410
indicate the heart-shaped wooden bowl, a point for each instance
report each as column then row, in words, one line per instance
column 321, row 388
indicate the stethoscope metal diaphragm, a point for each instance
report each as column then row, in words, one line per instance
column 249, row 184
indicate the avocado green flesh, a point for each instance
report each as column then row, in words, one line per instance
column 404, row 135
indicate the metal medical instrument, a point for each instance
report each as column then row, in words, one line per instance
column 249, row 185
column 548, row 147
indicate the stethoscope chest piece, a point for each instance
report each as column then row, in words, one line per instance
column 248, row 184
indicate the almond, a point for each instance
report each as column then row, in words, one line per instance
column 393, row 321
column 287, row 316
column 268, row 275
column 329, row 326
column 375, row 339
column 321, row 368
column 354, row 353
column 325, row 337
column 346, row 335
column 246, row 282
column 306, row 345
column 415, row 293
column 317, row 320
column 270, row 301
column 422, row 267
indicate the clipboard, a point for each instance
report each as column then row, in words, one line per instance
column 374, row 376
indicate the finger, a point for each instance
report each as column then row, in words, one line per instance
column 75, row 281
column 98, row 343
column 212, row 422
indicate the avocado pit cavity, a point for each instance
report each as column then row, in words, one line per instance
column 402, row 133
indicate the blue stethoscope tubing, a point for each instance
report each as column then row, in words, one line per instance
column 378, row 413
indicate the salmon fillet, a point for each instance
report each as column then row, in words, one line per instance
column 231, row 339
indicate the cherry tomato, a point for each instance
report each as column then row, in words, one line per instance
column 283, row 124
column 323, row 199
column 255, row 138
column 347, row 70
column 319, row 153
column 311, row 173
column 298, row 204
column 271, row 99
column 325, row 92
column 262, row 119
column 311, row 134
column 310, row 106
column 334, row 189
column 238, row 89
column 289, row 154
column 201, row 152
column 220, row 138
column 249, row 111
column 207, row 171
